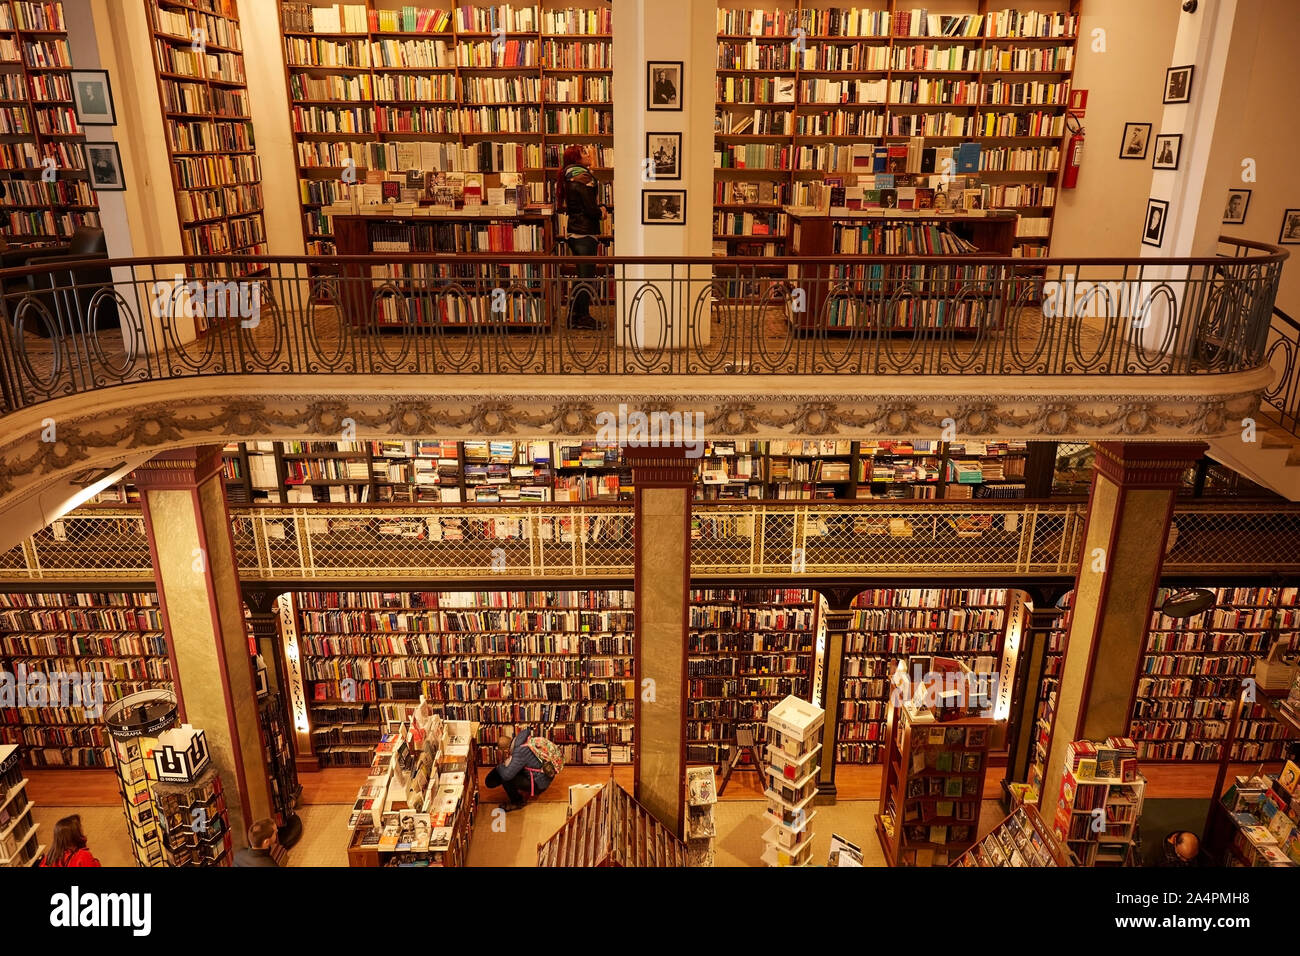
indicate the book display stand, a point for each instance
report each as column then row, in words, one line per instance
column 794, row 741
column 134, row 724
column 1022, row 839
column 192, row 818
column 1100, row 802
column 701, row 795
column 18, row 843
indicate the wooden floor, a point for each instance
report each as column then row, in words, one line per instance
column 335, row 785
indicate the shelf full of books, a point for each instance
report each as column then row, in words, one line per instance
column 453, row 472
column 749, row 649
column 932, row 784
column 111, row 642
column 418, row 803
column 1022, row 839
column 793, row 750
column 559, row 662
column 19, row 844
column 1264, row 810
column 39, row 131
column 1100, row 802
column 890, row 626
column 1191, row 672
column 811, row 95
column 395, row 99
column 203, row 93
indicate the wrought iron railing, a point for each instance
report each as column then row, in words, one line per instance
column 1282, row 400
column 91, row 324
column 775, row 540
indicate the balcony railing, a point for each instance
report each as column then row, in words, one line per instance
column 1282, row 401
column 91, row 324
column 768, row 540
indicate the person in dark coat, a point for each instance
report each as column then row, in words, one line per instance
column 575, row 193
column 261, row 835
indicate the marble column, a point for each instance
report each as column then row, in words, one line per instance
column 1133, row 491
column 185, row 515
column 664, row 479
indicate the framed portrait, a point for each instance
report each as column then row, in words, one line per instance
column 1134, row 143
column 1289, row 235
column 92, row 94
column 1153, row 229
column 1178, row 84
column 1169, row 146
column 664, row 152
column 664, row 85
column 1235, row 209
column 104, row 160
column 663, row 207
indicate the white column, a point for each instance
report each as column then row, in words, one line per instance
column 664, row 30
column 1218, row 41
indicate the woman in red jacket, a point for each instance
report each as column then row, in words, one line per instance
column 68, row 847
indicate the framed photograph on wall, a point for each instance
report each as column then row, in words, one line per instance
column 1289, row 235
column 664, row 85
column 1238, row 203
column 104, row 160
column 1178, row 84
column 1169, row 146
column 1133, row 145
column 664, row 154
column 1153, row 230
column 663, row 207
column 92, row 94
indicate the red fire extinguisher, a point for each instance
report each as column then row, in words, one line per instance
column 1073, row 153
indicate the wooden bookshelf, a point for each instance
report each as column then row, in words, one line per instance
column 907, row 624
column 38, row 122
column 1022, row 839
column 748, row 650
column 433, row 92
column 203, row 94
column 117, row 634
column 931, row 786
column 1100, row 803
column 877, row 77
column 612, row 829
column 560, row 662
column 1191, row 671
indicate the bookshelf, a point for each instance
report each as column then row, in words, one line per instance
column 909, row 625
column 1045, row 702
column 19, row 845
column 282, row 771
column 559, row 661
column 397, row 295
column 1022, row 839
column 1265, row 819
column 38, row 122
column 804, row 85
column 116, row 634
column 1100, row 803
column 931, row 786
column 216, row 173
column 612, row 830
column 748, row 650
column 135, row 723
column 701, row 828
column 382, row 88
column 1191, row 671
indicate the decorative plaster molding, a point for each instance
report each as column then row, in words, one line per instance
column 135, row 420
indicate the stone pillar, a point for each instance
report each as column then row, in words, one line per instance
column 828, row 693
column 664, row 479
column 185, row 515
column 1133, row 492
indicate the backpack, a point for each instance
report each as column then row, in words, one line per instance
column 548, row 753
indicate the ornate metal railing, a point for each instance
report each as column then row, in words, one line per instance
column 92, row 324
column 776, row 540
column 1282, row 401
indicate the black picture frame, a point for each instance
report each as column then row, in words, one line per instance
column 1168, row 159
column 92, row 97
column 1245, row 206
column 110, row 162
column 657, row 206
column 1178, row 84
column 1154, row 235
column 1289, row 233
column 663, row 85
column 664, row 170
column 1127, row 142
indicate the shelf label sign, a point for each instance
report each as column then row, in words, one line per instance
column 293, row 673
